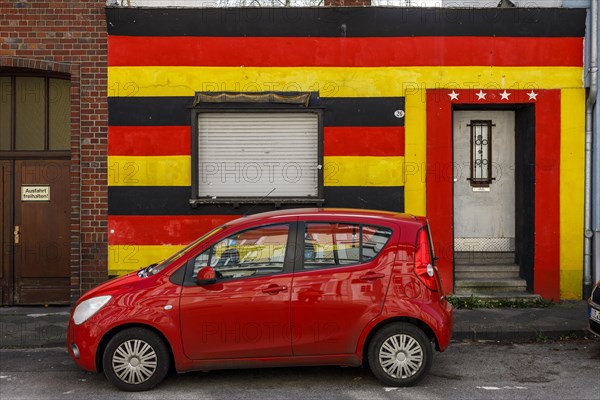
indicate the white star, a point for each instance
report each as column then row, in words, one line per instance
column 481, row 95
column 453, row 95
column 532, row 95
column 504, row 95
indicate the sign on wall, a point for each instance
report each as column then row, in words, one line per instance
column 35, row 193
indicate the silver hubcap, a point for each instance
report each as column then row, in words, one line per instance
column 134, row 361
column 401, row 356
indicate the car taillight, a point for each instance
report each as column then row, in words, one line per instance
column 423, row 261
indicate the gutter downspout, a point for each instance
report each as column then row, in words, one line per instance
column 591, row 100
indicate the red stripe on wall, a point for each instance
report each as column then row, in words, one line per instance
column 546, row 273
column 149, row 140
column 439, row 182
column 363, row 141
column 161, row 230
column 339, row 52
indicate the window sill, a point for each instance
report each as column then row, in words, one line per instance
column 276, row 201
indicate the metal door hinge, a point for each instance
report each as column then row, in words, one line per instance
column 17, row 234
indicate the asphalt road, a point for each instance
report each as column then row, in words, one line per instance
column 559, row 370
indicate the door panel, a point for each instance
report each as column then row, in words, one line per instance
column 42, row 218
column 247, row 312
column 331, row 305
column 484, row 215
column 236, row 319
column 5, row 233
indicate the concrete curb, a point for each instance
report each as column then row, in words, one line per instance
column 522, row 336
column 35, row 327
column 567, row 319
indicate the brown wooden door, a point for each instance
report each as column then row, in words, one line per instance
column 6, row 233
column 41, row 234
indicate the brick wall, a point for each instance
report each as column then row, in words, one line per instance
column 70, row 37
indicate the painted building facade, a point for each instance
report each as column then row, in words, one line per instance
column 365, row 107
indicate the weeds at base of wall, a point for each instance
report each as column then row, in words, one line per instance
column 473, row 302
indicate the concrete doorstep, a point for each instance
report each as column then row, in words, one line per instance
column 30, row 327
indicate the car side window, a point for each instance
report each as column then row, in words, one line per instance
column 340, row 244
column 252, row 252
column 374, row 239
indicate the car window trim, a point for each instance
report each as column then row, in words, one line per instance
column 288, row 259
column 301, row 229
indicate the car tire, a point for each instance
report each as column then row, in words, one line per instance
column 400, row 354
column 135, row 359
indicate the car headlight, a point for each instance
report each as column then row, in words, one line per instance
column 86, row 309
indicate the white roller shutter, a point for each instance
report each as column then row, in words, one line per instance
column 250, row 154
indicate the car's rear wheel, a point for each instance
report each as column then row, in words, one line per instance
column 135, row 360
column 400, row 354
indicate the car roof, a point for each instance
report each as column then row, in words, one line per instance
column 333, row 212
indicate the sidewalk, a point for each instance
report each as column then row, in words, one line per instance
column 25, row 327
column 569, row 318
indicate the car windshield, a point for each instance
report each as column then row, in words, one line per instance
column 156, row 268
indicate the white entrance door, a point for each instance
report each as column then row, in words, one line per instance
column 484, row 181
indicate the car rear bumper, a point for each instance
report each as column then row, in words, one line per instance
column 438, row 315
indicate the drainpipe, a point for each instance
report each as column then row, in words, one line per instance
column 591, row 100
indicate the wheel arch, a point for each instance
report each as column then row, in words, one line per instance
column 414, row 321
column 115, row 330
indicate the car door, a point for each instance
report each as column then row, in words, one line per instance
column 339, row 284
column 246, row 313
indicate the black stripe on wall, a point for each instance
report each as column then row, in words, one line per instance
column 387, row 198
column 525, row 192
column 149, row 111
column 175, row 111
column 172, row 200
column 363, row 111
column 347, row 22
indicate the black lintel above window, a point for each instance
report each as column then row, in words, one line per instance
column 298, row 98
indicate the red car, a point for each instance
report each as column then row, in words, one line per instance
column 286, row 288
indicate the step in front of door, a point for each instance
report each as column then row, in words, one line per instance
column 480, row 258
column 489, row 286
column 508, row 271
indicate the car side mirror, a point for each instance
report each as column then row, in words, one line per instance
column 206, row 276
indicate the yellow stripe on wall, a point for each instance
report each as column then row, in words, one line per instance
column 332, row 82
column 415, row 153
column 149, row 171
column 363, row 171
column 572, row 166
column 126, row 258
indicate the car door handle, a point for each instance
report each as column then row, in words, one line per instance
column 371, row 276
column 274, row 289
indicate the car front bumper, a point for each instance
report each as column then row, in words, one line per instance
column 82, row 344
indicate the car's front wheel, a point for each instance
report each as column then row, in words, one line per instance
column 135, row 359
column 400, row 354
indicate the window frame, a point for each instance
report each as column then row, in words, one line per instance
column 474, row 181
column 302, row 225
column 288, row 258
column 254, row 108
column 13, row 153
